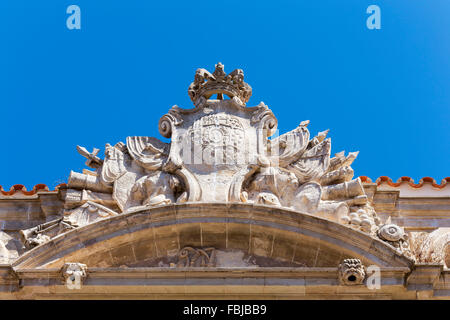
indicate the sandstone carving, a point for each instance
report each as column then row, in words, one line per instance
column 206, row 84
column 395, row 236
column 433, row 247
column 227, row 207
column 42, row 233
column 4, row 253
column 219, row 151
column 196, row 257
column 391, row 232
column 351, row 272
column 74, row 273
column 10, row 248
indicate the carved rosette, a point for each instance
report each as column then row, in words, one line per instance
column 396, row 237
column 351, row 272
column 432, row 247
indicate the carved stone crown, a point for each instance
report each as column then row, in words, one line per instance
column 206, row 84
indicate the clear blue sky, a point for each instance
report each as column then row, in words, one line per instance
column 384, row 92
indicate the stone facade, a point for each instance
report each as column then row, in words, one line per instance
column 227, row 209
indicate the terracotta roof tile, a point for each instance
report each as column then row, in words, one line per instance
column 383, row 179
column 409, row 180
column 21, row 188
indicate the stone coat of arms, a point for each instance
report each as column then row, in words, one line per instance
column 220, row 151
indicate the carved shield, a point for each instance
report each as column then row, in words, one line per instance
column 216, row 144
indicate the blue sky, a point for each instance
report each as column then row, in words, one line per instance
column 383, row 92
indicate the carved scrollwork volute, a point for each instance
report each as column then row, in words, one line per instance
column 168, row 122
column 266, row 126
column 193, row 190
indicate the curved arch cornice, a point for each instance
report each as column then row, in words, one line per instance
column 275, row 233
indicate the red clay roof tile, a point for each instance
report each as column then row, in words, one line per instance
column 383, row 179
column 21, row 188
column 409, row 180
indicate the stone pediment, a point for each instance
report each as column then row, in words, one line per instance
column 220, row 152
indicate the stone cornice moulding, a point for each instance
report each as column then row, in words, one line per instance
column 222, row 282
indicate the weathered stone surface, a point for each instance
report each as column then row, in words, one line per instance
column 432, row 247
column 228, row 208
column 220, row 151
column 74, row 274
column 351, row 272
